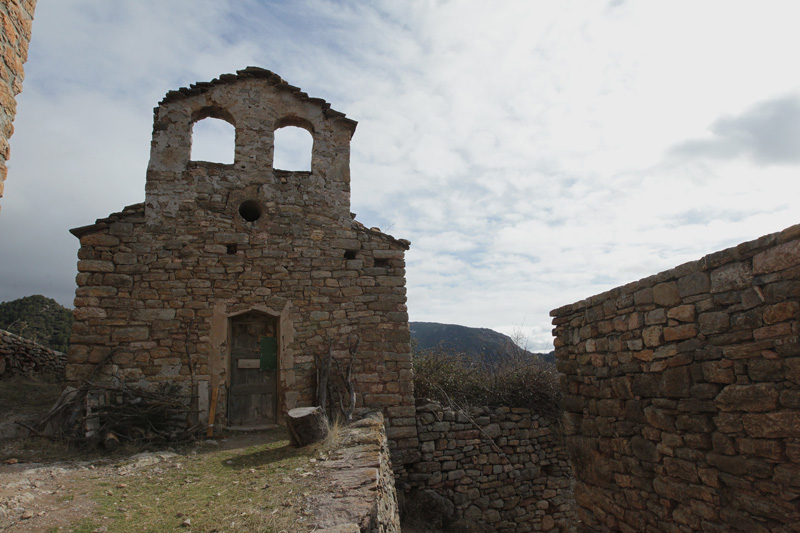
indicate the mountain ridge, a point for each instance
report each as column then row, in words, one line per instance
column 479, row 344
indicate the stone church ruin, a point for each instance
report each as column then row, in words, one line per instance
column 230, row 278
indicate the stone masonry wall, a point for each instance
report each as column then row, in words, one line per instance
column 502, row 467
column 16, row 18
column 20, row 356
column 160, row 282
column 362, row 494
column 682, row 395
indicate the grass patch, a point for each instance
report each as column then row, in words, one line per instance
column 257, row 488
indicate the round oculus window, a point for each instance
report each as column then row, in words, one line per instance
column 250, row 210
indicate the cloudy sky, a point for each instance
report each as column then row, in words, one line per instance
column 535, row 153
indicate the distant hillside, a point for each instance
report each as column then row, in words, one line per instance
column 476, row 343
column 38, row 318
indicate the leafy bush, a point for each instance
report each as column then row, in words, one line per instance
column 514, row 380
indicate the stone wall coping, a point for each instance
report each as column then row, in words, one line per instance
column 257, row 73
column 130, row 211
column 359, row 471
column 743, row 251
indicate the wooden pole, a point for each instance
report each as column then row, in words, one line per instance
column 212, row 412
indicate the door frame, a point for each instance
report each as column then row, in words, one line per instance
column 276, row 319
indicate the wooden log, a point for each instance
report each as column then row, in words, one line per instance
column 111, row 442
column 306, row 425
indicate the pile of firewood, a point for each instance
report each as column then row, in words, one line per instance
column 109, row 414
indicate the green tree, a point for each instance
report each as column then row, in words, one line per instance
column 39, row 319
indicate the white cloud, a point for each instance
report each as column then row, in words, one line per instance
column 534, row 154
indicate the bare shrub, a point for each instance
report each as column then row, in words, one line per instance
column 515, row 379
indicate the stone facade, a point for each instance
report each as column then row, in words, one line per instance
column 16, row 17
column 160, row 283
column 20, row 356
column 503, row 467
column 682, row 395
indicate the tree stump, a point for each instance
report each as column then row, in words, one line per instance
column 306, row 425
column 111, row 442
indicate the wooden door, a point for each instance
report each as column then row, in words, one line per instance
column 253, row 395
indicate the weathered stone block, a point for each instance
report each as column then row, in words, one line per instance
column 752, row 398
column 652, row 336
column 782, row 311
column 678, row 333
column 682, row 313
column 714, row 322
column 676, row 382
column 735, row 276
column 99, row 239
column 778, row 258
column 88, row 265
column 780, row 424
column 666, row 294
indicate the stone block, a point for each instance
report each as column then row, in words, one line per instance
column 713, row 322
column 99, row 239
column 678, row 333
column 682, row 313
column 718, row 372
column 770, row 332
column 769, row 449
column 778, row 258
column 781, row 312
column 130, row 334
column 666, row 294
column 676, row 382
column 88, row 265
column 659, row 418
column 695, row 283
column 758, row 397
column 731, row 277
column 652, row 336
column 765, row 370
column 774, row 425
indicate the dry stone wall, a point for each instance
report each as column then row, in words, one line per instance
column 16, row 18
column 505, row 468
column 160, row 282
column 20, row 356
column 362, row 496
column 682, row 395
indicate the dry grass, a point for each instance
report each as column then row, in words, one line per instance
column 257, row 488
column 254, row 482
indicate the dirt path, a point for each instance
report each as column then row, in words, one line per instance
column 100, row 493
column 47, row 497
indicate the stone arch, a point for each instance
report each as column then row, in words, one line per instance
column 214, row 111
